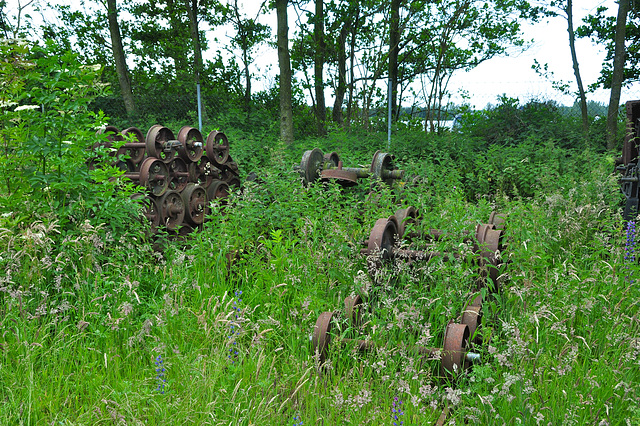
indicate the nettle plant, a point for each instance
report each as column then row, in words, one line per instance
column 46, row 134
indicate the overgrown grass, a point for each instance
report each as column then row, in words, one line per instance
column 86, row 314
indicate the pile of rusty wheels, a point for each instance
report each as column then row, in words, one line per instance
column 181, row 175
column 316, row 166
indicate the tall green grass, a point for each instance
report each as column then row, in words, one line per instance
column 85, row 315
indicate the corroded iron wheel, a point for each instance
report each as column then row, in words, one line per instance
column 178, row 173
column 406, row 217
column 134, row 146
column 217, row 147
column 191, row 144
column 383, row 237
column 311, row 165
column 157, row 143
column 321, row 337
column 172, row 210
column 194, row 198
column 456, row 341
column 217, row 190
column 154, row 174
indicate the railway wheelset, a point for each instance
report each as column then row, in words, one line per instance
column 317, row 166
column 462, row 333
column 181, row 175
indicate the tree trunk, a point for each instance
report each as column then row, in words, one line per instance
column 342, row 75
column 192, row 12
column 576, row 68
column 118, row 57
column 318, row 36
column 618, row 74
column 394, row 50
column 284, row 61
column 352, row 56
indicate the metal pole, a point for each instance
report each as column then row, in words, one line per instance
column 389, row 117
column 199, row 108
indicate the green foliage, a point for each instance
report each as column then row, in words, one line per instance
column 48, row 131
column 510, row 123
column 88, row 307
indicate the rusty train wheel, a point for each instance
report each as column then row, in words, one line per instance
column 217, row 147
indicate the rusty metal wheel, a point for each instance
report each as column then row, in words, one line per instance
column 406, row 217
column 160, row 143
column 154, row 174
column 456, row 341
column 381, row 162
column 217, row 190
column 152, row 210
column 489, row 243
column 217, row 147
column 472, row 317
column 332, row 159
column 383, row 237
column 498, row 220
column 134, row 146
column 191, row 144
column 341, row 176
column 321, row 337
column 179, row 174
column 194, row 198
column 204, row 171
column 172, row 210
column 352, row 309
column 311, row 165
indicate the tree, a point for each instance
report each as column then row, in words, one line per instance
column 284, row 62
column 620, row 36
column 318, row 38
column 249, row 35
column 119, row 58
column 576, row 67
column 12, row 25
column 564, row 8
column 617, row 76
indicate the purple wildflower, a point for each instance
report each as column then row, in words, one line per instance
column 235, row 330
column 396, row 412
column 630, row 249
column 160, row 373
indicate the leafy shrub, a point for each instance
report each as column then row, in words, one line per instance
column 47, row 133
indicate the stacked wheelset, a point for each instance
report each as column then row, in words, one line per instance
column 182, row 175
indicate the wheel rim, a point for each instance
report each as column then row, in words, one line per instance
column 311, row 165
column 456, row 338
column 194, row 198
column 321, row 337
column 217, row 147
column 172, row 210
column 383, row 238
column 191, row 141
column 155, row 140
column 154, row 174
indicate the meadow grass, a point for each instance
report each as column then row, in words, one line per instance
column 86, row 318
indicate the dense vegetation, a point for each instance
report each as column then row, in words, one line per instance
column 98, row 327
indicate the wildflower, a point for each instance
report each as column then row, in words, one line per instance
column 396, row 412
column 160, row 373
column 630, row 248
column 234, row 328
column 295, row 419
